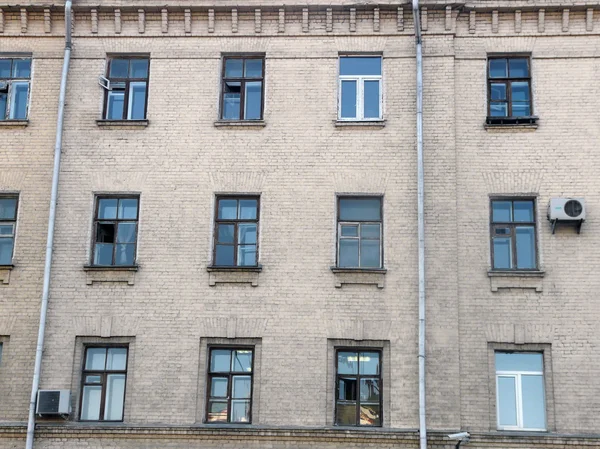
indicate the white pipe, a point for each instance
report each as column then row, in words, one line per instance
column 50, row 238
column 421, row 226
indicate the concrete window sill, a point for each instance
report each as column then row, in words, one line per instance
column 14, row 123
column 240, row 124
column 122, row 123
column 360, row 276
column 516, row 279
column 359, row 123
column 5, row 274
column 511, row 127
column 96, row 274
column 233, row 275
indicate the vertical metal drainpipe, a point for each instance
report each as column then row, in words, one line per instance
column 421, row 226
column 51, row 222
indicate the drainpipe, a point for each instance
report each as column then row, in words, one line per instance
column 51, row 222
column 421, row 226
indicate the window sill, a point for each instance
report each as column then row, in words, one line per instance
column 359, row 276
column 532, row 273
column 256, row 269
column 358, row 270
column 516, row 279
column 122, row 123
column 233, row 275
column 95, row 274
column 511, row 123
column 359, row 123
column 240, row 123
column 5, row 274
column 14, row 123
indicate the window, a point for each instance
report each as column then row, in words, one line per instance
column 520, row 391
column 115, row 231
column 103, row 384
column 359, row 232
column 230, row 385
column 509, row 90
column 360, row 93
column 513, row 234
column 127, row 88
column 236, row 232
column 15, row 74
column 8, row 221
column 243, row 88
column 358, row 388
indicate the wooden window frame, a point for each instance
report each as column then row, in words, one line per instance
column 230, row 374
column 12, row 222
column 513, row 240
column 242, row 80
column 340, row 223
column 127, row 89
column 11, row 80
column 116, row 221
column 509, row 118
column 360, row 91
column 358, row 351
column 235, row 223
column 103, row 374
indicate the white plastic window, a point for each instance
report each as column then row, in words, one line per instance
column 14, row 88
column 360, row 89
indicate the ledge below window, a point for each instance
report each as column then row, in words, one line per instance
column 14, row 123
column 5, row 274
column 233, row 275
column 359, row 123
column 240, row 123
column 516, row 279
column 96, row 273
column 511, row 123
column 361, row 276
column 122, row 123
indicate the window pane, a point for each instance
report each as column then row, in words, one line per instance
column 217, row 411
column 6, row 229
column 95, row 359
column 224, row 255
column 138, row 68
column 128, row 208
column 347, row 363
column 125, row 254
column 107, row 208
column 6, row 250
column 502, row 253
column 115, row 396
column 369, row 415
column 218, row 387
column 240, row 411
column 233, row 68
column 348, row 253
column 247, row 233
column 126, row 233
column 523, row 211
column 231, row 106
column 254, row 68
column 137, row 101
column 103, row 253
column 8, row 208
column 525, row 236
column 247, row 255
column 345, row 414
column 532, row 362
column 248, row 209
column 21, row 68
column 356, row 209
column 356, row 65
column 369, row 390
column 369, row 254
column 521, row 109
column 371, row 100
column 498, row 110
column 507, row 402
column 534, row 408
column 116, row 101
column 369, row 363
column 498, row 68
column 370, row 231
column 241, row 387
column 498, row 91
column 347, row 389
column 349, row 231
column 348, row 99
column 253, row 100
column 5, row 68
column 18, row 101
column 119, row 68
column 518, row 68
column 242, row 361
column 220, row 360
column 93, row 379
column 105, row 232
column 90, row 404
column 225, row 233
column 3, row 102
column 519, row 90
column 227, row 209
column 501, row 211
column 116, row 359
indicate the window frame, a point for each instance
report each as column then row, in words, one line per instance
column 360, row 95
column 7, row 114
column 230, row 374
column 127, row 91
column 359, row 223
column 517, row 375
column 103, row 373
column 12, row 222
column 513, row 240
column 509, row 118
column 242, row 80
column 358, row 377
column 116, row 221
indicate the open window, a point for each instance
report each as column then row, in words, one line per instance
column 126, row 87
column 15, row 77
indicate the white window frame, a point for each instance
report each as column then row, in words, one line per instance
column 360, row 92
column 11, row 92
column 517, row 375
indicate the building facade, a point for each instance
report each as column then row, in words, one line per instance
column 235, row 255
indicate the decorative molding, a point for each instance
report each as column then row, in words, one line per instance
column 424, row 23
column 164, row 20
column 541, row 20
column 257, row 20
column 305, row 20
column 524, row 280
column 565, row 20
column 23, row 20
column 100, row 274
column 359, row 277
column 211, row 20
column 589, row 19
column 518, row 21
column 352, row 19
column 94, row 16
column 234, row 20
column 233, row 277
column 47, row 20
column 376, row 23
column 400, row 19
column 187, row 21
column 118, row 25
column 472, row 22
column 329, row 25
column 495, row 21
column 5, row 275
column 141, row 21
column 281, row 24
column 1, row 20
column 448, row 24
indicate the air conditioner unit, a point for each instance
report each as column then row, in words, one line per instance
column 566, row 210
column 53, row 402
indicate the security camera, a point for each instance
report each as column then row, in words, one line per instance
column 462, row 436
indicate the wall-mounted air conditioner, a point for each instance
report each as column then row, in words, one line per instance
column 567, row 210
column 53, row 402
